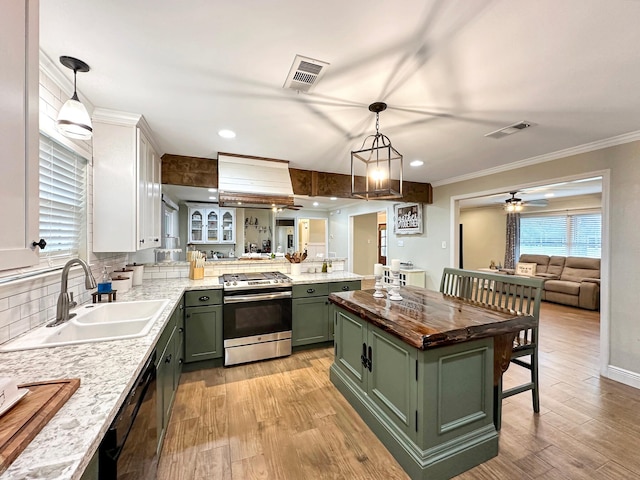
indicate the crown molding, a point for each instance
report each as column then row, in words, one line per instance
column 547, row 157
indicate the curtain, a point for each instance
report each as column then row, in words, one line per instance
column 512, row 250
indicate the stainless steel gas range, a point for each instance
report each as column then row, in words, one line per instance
column 257, row 316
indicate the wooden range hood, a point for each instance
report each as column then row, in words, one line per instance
column 203, row 172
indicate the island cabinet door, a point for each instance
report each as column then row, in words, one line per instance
column 351, row 347
column 392, row 384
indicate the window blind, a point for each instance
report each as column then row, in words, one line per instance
column 62, row 201
column 577, row 235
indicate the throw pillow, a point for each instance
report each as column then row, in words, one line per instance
column 528, row 269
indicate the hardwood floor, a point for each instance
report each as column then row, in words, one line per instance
column 283, row 419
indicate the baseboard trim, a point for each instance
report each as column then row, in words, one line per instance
column 623, row 376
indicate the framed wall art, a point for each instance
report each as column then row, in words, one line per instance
column 407, row 218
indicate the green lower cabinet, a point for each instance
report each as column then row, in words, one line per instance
column 165, row 380
column 312, row 320
column 203, row 333
column 309, row 321
column 432, row 409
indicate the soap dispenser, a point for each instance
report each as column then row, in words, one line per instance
column 104, row 285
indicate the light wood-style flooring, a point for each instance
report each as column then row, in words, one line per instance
column 283, row 419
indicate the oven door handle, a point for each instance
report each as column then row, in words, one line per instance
column 259, row 297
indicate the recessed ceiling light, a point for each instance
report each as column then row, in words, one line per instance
column 213, row 190
column 212, row 198
column 416, row 163
column 224, row 133
column 315, row 204
column 548, row 195
column 334, row 198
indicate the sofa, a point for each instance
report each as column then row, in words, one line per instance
column 573, row 281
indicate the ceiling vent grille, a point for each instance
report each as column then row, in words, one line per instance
column 305, row 73
column 509, row 130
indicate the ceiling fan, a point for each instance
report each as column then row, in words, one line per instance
column 515, row 204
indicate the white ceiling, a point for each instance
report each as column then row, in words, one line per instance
column 450, row 71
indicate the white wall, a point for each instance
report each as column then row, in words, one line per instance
column 484, row 234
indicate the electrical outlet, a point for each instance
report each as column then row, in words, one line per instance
column 444, row 244
column 401, row 243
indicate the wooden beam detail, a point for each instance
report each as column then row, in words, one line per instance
column 203, row 172
column 323, row 184
column 189, row 171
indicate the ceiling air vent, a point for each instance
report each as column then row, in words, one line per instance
column 516, row 127
column 305, row 74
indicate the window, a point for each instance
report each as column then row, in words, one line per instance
column 62, row 201
column 572, row 234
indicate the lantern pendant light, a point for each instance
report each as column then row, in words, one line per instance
column 73, row 119
column 376, row 169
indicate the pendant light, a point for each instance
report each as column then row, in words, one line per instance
column 378, row 167
column 73, row 119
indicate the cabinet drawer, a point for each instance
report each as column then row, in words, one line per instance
column 310, row 290
column 345, row 286
column 196, row 298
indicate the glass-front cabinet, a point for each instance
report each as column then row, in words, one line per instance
column 212, row 227
column 211, row 224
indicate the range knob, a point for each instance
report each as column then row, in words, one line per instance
column 235, row 283
column 227, row 284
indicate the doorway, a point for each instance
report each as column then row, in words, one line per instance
column 382, row 243
column 459, row 203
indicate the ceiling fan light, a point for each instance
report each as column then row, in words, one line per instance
column 73, row 120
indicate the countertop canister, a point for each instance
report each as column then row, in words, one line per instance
column 138, row 271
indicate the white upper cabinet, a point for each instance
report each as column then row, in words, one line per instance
column 126, row 183
column 210, row 224
column 19, row 144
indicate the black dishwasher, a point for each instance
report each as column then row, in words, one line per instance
column 128, row 449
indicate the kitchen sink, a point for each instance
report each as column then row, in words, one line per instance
column 94, row 323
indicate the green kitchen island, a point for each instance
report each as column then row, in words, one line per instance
column 422, row 373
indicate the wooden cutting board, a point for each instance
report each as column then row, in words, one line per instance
column 24, row 420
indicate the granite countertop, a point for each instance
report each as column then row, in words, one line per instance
column 324, row 277
column 107, row 371
column 427, row 319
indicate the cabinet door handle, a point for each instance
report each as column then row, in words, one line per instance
column 370, row 359
column 345, row 288
column 181, row 307
column 203, row 298
column 181, row 330
column 168, row 359
column 311, row 290
column 40, row 244
column 363, row 357
column 180, row 361
column 142, row 241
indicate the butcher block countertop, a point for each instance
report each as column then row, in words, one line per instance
column 427, row 319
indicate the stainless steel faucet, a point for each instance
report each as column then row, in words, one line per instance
column 65, row 299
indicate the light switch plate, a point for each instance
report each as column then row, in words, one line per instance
column 401, row 243
column 444, row 244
